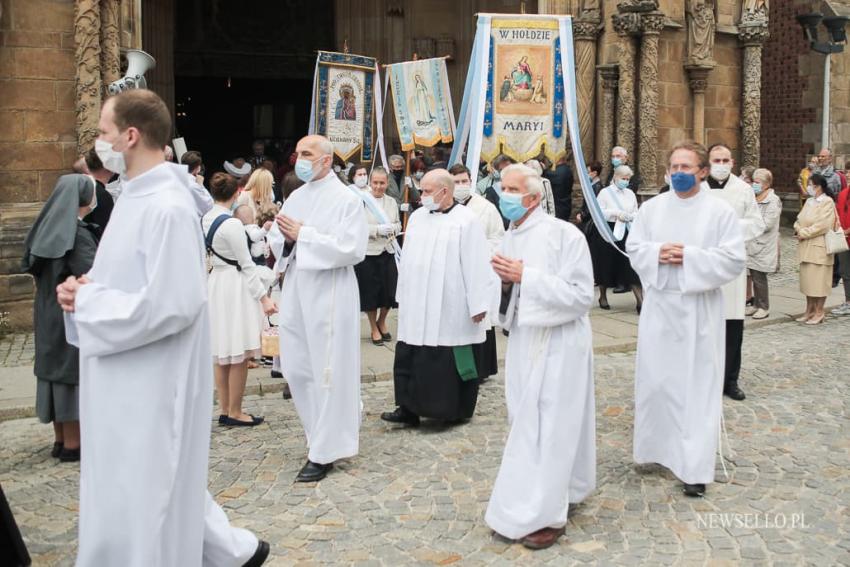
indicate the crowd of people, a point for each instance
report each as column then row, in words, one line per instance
column 131, row 339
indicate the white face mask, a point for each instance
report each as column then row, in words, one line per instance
column 429, row 203
column 360, row 181
column 111, row 159
column 721, row 171
column 419, row 175
column 462, row 192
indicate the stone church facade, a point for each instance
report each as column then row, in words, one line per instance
column 649, row 73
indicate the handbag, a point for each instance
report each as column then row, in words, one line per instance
column 836, row 241
column 270, row 341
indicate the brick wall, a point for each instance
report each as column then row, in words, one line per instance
column 37, row 128
column 788, row 69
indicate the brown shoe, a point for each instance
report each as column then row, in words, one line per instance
column 541, row 539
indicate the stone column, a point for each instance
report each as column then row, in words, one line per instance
column 553, row 7
column 627, row 27
column 698, row 81
column 110, row 41
column 752, row 36
column 609, row 74
column 87, row 57
column 651, row 24
column 585, row 46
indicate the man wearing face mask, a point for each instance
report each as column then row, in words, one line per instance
column 684, row 245
column 491, row 185
column 320, row 234
column 547, row 289
column 100, row 215
column 620, row 156
column 445, row 290
column 722, row 184
column 140, row 321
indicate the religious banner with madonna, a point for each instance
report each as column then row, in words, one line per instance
column 422, row 102
column 520, row 97
column 345, row 89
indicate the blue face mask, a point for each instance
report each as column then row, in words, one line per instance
column 622, row 183
column 616, row 162
column 511, row 206
column 757, row 188
column 304, row 170
column 683, row 182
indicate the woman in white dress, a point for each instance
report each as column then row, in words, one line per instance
column 235, row 289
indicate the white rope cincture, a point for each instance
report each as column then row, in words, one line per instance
column 721, row 433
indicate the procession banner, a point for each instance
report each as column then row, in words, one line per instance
column 520, row 98
column 343, row 107
column 423, row 103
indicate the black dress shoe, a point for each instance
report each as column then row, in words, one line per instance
column 69, row 455
column 260, row 555
column 313, row 472
column 694, row 490
column 276, row 374
column 287, row 393
column 734, row 392
column 401, row 415
column 57, row 450
column 230, row 422
column 222, row 419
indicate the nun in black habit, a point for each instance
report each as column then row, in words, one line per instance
column 59, row 245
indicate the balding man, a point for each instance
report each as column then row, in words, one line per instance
column 547, row 286
column 320, row 234
column 445, row 289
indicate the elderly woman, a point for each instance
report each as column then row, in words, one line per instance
column 377, row 274
column 612, row 268
column 59, row 245
column 258, row 193
column 235, row 288
column 763, row 250
column 358, row 177
column 815, row 219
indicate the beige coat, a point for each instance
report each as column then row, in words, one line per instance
column 815, row 219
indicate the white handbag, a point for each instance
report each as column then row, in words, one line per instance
column 836, row 241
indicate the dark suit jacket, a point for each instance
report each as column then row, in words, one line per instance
column 562, row 190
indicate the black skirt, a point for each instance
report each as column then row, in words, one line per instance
column 427, row 382
column 377, row 277
column 486, row 356
column 610, row 268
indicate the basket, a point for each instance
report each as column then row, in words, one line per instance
column 270, row 342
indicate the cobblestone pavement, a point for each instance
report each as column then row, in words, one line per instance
column 17, row 349
column 417, row 497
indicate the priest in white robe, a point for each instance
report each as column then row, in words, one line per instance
column 489, row 217
column 547, row 283
column 140, row 320
column 685, row 245
column 320, row 234
column 445, row 289
column 739, row 194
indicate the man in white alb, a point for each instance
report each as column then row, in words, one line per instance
column 320, row 234
column 140, row 320
column 684, row 245
column 547, row 283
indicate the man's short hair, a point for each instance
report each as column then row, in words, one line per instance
column 620, row 150
column 395, row 158
column 192, row 159
column 691, row 146
column 459, row 169
column 532, row 181
column 92, row 161
column 500, row 159
column 146, row 112
column 713, row 147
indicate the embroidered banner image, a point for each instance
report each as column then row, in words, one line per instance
column 422, row 102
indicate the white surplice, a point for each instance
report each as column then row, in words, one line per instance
column 550, row 455
column 320, row 314
column 489, row 217
column 444, row 279
column 739, row 194
column 681, row 334
column 145, row 387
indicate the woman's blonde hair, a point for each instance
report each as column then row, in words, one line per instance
column 260, row 186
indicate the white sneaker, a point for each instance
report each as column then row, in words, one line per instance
column 761, row 314
column 843, row 309
column 750, row 310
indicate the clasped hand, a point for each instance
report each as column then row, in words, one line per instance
column 66, row 292
column 671, row 253
column 508, row 270
column 289, row 227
